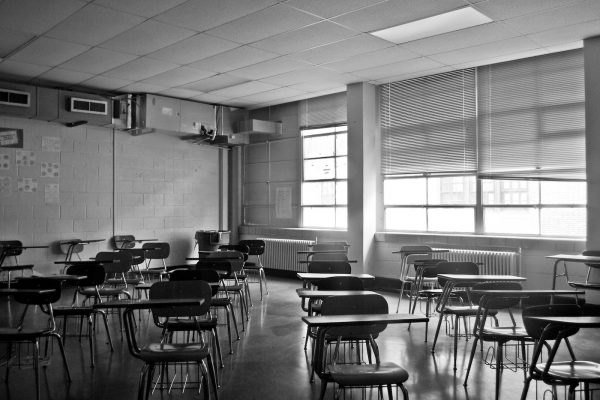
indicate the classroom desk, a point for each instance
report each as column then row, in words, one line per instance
column 564, row 258
column 10, row 250
column 310, row 277
column 72, row 244
column 321, row 294
column 528, row 293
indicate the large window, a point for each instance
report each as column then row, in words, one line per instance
column 493, row 150
column 324, row 177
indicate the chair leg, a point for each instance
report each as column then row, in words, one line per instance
column 62, row 352
column 107, row 330
column 499, row 367
column 404, row 391
column 213, row 375
column 323, row 389
column 400, row 297
column 36, row 367
column 218, row 345
column 437, row 332
column 142, row 382
column 473, row 350
column 91, row 338
column 455, row 340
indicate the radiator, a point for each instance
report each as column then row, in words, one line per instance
column 282, row 254
column 491, row 262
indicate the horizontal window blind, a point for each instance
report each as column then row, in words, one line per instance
column 324, row 110
column 429, row 125
column 532, row 118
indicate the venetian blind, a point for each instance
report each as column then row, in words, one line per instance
column 428, row 125
column 324, row 110
column 532, row 118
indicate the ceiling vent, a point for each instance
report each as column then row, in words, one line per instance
column 15, row 98
column 259, row 128
column 88, row 106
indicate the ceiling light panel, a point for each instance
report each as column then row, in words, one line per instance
column 436, row 25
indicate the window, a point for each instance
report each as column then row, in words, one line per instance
column 501, row 149
column 324, row 177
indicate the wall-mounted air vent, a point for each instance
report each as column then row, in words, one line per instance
column 87, row 106
column 15, row 98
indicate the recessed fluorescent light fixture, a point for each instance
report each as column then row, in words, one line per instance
column 443, row 23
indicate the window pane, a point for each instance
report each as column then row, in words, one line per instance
column 323, row 168
column 341, row 165
column 318, row 131
column 511, row 220
column 452, row 219
column 452, row 190
column 341, row 217
column 319, row 146
column 341, row 193
column 404, row 191
column 341, row 144
column 563, row 222
column 317, row 193
column 318, row 217
column 564, row 192
column 510, row 192
column 405, row 219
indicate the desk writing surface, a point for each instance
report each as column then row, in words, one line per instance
column 140, row 304
column 11, row 292
column 480, row 278
column 409, row 252
column 582, row 321
column 575, row 258
column 321, row 294
column 313, row 276
column 362, row 319
column 526, row 292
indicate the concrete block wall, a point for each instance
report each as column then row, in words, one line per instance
column 151, row 186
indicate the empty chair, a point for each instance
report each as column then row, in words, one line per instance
column 32, row 329
column 586, row 284
column 256, row 248
column 156, row 251
column 500, row 335
column 407, row 256
column 12, row 248
column 94, row 274
column 329, row 267
column 134, row 275
column 569, row 373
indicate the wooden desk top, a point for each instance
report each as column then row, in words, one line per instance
column 11, row 292
column 321, row 294
column 526, row 292
column 362, row 319
column 58, row 277
column 409, row 252
column 77, row 241
column 575, row 258
column 311, row 276
column 581, row 321
column 141, row 304
column 458, row 278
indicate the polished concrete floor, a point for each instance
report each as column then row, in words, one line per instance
column 269, row 361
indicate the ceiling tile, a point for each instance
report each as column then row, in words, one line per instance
column 11, row 40
column 145, row 8
column 36, row 16
column 329, row 9
column 343, row 50
column 177, row 77
column 139, row 87
column 305, row 38
column 89, row 25
column 306, row 75
column 193, row 49
column 268, row 68
column 97, row 60
column 233, row 59
column 392, row 13
column 209, row 98
column 63, row 76
column 404, row 67
column 181, row 93
column 372, row 59
column 214, row 83
column 313, row 86
column 262, row 24
column 412, row 74
column 147, row 37
column 46, row 51
column 500, row 10
column 557, row 17
column 272, row 95
column 206, row 14
column 488, row 50
column 244, row 89
column 140, row 69
column 21, row 69
column 461, row 39
column 567, row 34
column 105, row 83
column 503, row 58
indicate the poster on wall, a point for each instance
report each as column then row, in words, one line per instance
column 283, row 202
column 27, row 185
column 25, row 158
column 50, row 170
column 51, row 144
column 4, row 161
column 11, row 137
column 5, row 186
column 51, row 194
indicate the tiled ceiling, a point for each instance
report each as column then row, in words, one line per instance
column 254, row 53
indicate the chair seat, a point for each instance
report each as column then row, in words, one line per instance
column 14, row 334
column 584, row 285
column 173, row 352
column 180, row 325
column 430, row 292
column 231, row 288
column 62, row 311
column 16, row 267
column 460, row 310
column 367, row 374
column 508, row 332
column 91, row 292
column 220, row 301
column 573, row 370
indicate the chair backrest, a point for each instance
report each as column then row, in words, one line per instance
column 124, row 241
column 242, row 248
column 94, row 273
column 341, row 283
column 591, row 253
column 328, row 257
column 429, row 266
column 231, row 259
column 329, row 267
column 38, row 298
column 535, row 328
column 456, row 268
column 156, row 250
column 355, row 305
column 256, row 247
column 73, row 244
column 190, row 289
column 206, row 275
column 114, row 262
column 416, row 248
column 138, row 256
column 496, row 302
column 14, row 247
